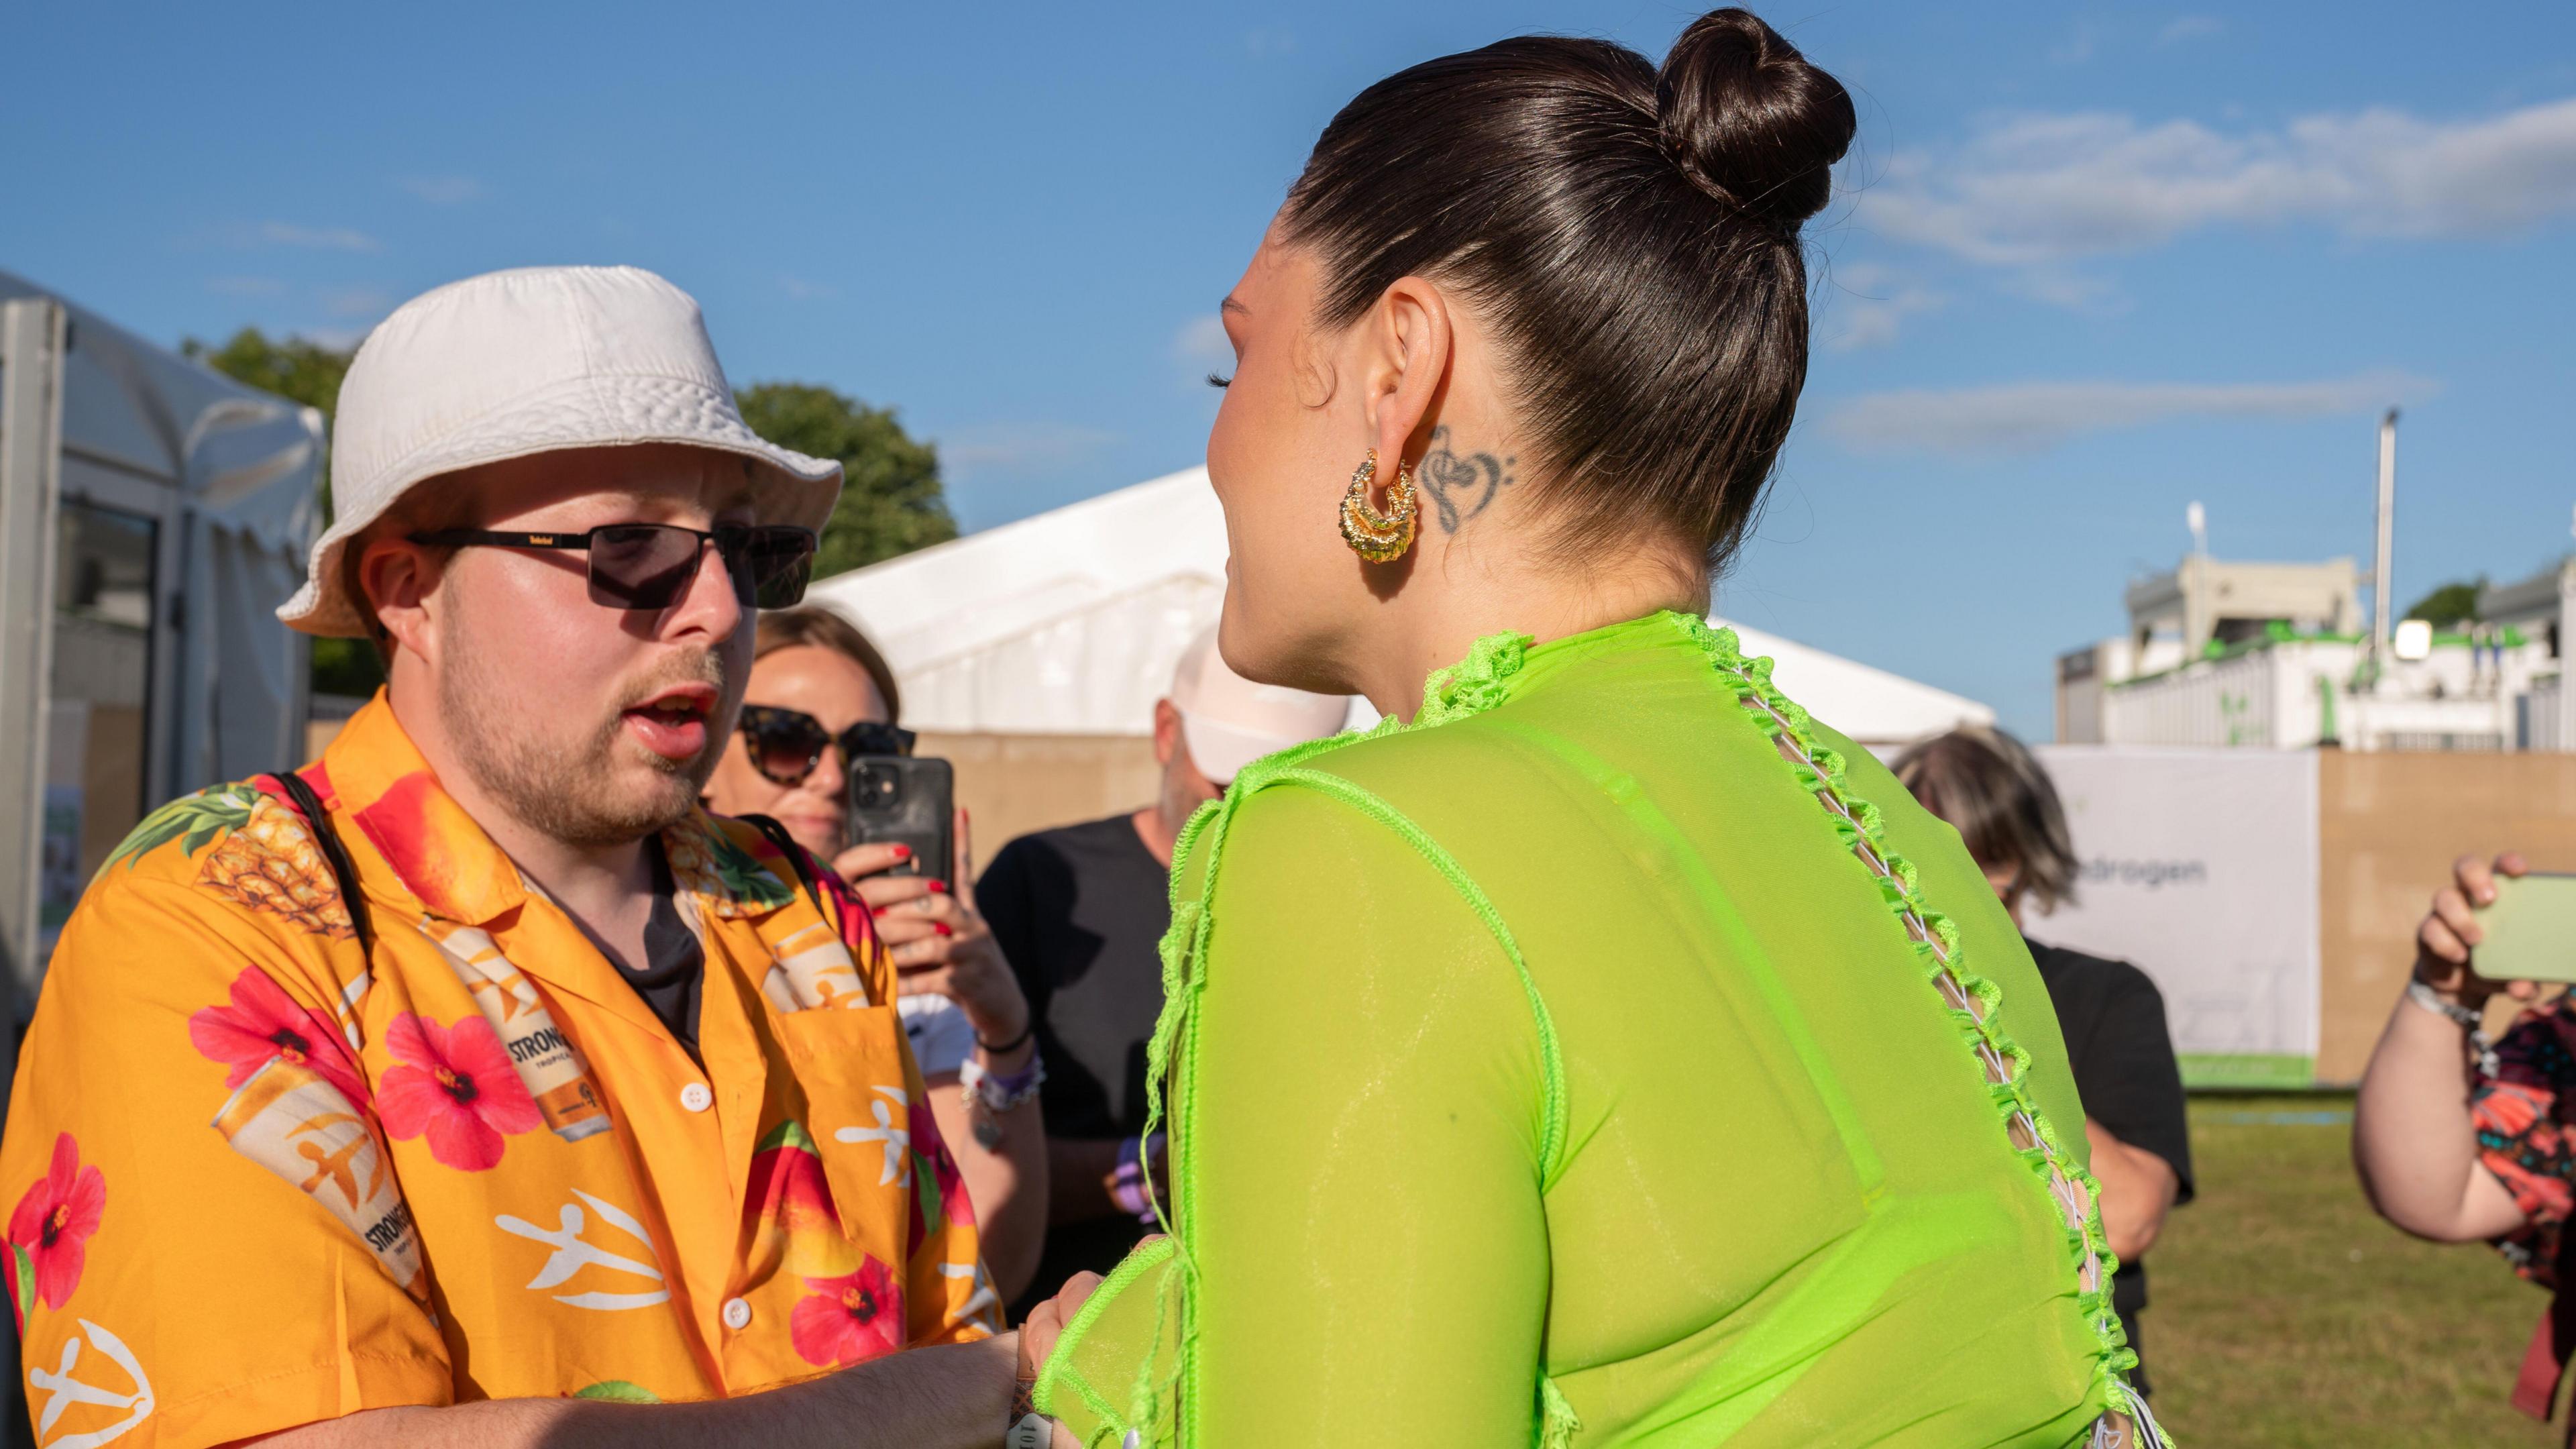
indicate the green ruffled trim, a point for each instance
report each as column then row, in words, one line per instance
column 1473, row 684
column 1937, row 953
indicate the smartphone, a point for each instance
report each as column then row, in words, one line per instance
column 2530, row 930
column 905, row 800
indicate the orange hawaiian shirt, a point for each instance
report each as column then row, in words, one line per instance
column 263, row 1177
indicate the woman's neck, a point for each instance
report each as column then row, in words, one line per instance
column 1427, row 628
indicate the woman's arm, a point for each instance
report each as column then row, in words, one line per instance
column 2412, row 1136
column 2138, row 1189
column 1361, row 1147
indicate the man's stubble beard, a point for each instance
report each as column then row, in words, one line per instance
column 575, row 793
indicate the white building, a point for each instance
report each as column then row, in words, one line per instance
column 2270, row 656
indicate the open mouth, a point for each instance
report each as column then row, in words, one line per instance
column 673, row 723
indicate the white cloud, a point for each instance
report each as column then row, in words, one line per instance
column 1014, row 447
column 369, row 302
column 245, row 286
column 1202, row 340
column 2052, row 188
column 2190, row 27
column 327, row 238
column 2024, row 417
column 2079, row 46
column 442, row 190
column 1271, row 40
column 805, row 291
column 1868, row 306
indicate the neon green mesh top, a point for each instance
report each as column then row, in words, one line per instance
column 1611, row 1056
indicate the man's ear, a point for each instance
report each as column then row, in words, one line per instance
column 397, row 580
column 1167, row 731
column 1409, row 349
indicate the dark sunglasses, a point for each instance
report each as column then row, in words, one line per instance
column 650, row 565
column 786, row 744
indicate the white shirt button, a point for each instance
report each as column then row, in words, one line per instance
column 697, row 1098
column 737, row 1314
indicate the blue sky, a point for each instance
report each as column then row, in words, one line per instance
column 2090, row 262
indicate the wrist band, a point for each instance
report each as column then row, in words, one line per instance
column 2474, row 1023
column 2431, row 1000
column 1014, row 1044
column 999, row 1093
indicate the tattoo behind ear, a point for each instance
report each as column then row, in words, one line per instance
column 1462, row 485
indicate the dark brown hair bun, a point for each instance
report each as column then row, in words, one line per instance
column 1744, row 115
column 1632, row 234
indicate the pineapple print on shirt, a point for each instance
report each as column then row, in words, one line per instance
column 267, row 860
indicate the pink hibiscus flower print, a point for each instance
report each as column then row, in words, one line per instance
column 456, row 1085
column 54, row 1221
column 850, row 1318
column 939, row 1188
column 263, row 1022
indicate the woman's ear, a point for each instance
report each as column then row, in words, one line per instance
column 1409, row 348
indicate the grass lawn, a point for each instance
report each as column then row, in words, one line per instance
column 2285, row 1314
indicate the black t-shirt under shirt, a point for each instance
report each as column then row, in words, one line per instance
column 2113, row 1019
column 675, row 963
column 1080, row 912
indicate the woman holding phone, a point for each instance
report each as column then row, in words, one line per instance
column 819, row 695
column 2459, row 1139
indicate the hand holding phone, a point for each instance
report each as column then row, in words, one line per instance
column 906, row 800
column 2528, row 933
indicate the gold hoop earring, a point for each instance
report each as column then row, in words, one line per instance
column 1379, row 537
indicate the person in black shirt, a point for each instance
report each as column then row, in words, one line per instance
column 1079, row 911
column 1994, row 793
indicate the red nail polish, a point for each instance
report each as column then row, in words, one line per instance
column 942, row 928
column 903, row 852
column 939, row 887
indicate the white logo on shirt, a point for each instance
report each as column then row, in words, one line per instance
column 62, row 1391
column 572, row 1253
column 898, row 1141
column 983, row 1300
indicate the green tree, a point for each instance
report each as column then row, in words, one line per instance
column 296, row 368
column 2453, row 603
column 891, row 499
column 304, row 371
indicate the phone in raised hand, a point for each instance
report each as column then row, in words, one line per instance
column 905, row 800
column 2529, row 930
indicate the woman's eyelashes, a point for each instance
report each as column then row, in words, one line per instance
column 1216, row 381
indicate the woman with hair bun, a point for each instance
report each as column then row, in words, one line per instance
column 1600, row 1050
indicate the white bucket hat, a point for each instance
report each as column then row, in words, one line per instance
column 1229, row 721
column 531, row 361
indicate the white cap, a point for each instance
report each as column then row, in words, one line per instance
column 533, row 361
column 1229, row 721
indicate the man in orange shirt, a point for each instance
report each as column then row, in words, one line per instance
column 471, row 1085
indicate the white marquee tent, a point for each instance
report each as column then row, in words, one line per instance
column 1069, row 623
column 153, row 515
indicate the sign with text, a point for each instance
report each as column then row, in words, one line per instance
column 2200, row 866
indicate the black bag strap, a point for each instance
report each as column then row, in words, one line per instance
column 318, row 820
column 796, row 859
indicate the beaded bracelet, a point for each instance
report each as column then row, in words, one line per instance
column 999, row 1093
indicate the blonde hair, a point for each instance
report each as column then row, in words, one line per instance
column 1992, row 790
